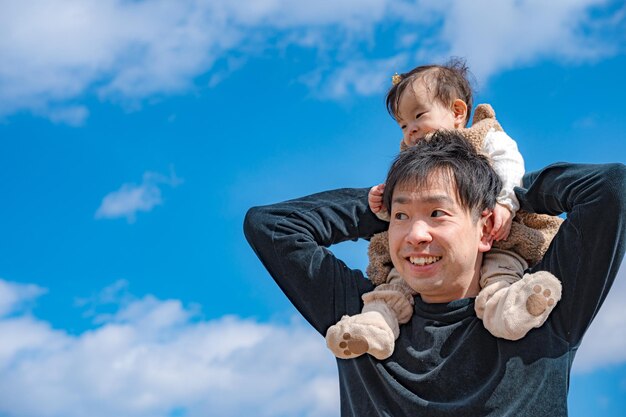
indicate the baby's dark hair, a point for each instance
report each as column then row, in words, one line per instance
column 447, row 82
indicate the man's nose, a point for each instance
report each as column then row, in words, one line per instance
column 419, row 233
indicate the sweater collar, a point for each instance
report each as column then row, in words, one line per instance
column 451, row 311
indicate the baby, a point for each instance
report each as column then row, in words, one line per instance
column 510, row 302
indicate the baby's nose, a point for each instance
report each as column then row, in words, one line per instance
column 412, row 137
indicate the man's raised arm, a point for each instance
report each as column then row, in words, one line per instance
column 588, row 250
column 291, row 240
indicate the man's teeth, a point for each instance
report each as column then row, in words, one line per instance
column 424, row 260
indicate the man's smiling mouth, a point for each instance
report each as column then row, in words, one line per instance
column 423, row 260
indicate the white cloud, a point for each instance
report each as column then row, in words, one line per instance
column 156, row 358
column 132, row 198
column 358, row 78
column 518, row 33
column 492, row 36
column 14, row 297
column 54, row 52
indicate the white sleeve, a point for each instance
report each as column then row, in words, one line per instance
column 508, row 164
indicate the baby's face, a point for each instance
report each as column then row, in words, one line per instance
column 419, row 114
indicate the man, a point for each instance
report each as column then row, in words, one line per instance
column 440, row 194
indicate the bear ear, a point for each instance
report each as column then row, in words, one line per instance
column 482, row 112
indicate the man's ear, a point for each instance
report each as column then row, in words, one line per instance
column 459, row 108
column 486, row 240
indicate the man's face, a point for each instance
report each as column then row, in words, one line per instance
column 435, row 244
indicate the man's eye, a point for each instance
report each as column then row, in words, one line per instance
column 438, row 213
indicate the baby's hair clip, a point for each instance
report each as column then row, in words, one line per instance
column 396, row 78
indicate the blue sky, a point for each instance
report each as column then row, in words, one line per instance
column 134, row 135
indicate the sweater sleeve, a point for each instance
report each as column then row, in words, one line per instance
column 588, row 249
column 292, row 238
column 508, row 164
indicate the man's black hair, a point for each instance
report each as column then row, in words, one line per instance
column 446, row 153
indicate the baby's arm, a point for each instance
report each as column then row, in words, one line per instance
column 509, row 165
column 375, row 201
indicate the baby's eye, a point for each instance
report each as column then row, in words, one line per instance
column 403, row 127
column 418, row 115
column 400, row 216
column 437, row 213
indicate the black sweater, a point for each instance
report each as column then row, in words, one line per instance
column 445, row 363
